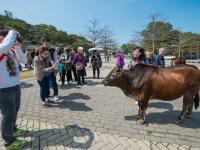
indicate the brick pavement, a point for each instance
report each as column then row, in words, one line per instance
column 103, row 118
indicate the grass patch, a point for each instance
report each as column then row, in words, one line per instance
column 26, row 74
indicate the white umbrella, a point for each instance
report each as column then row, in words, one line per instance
column 95, row 49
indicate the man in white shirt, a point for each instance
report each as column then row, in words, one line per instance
column 10, row 90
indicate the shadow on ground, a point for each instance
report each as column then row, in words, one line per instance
column 161, row 105
column 67, row 102
column 26, row 85
column 169, row 117
column 94, row 83
column 71, row 136
column 74, row 96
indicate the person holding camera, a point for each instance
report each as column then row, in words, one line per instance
column 10, row 90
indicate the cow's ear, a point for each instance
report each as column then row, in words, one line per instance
column 118, row 72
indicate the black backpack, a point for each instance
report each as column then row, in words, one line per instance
column 51, row 51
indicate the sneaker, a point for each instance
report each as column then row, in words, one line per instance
column 56, row 98
column 46, row 104
column 16, row 145
column 49, row 100
column 80, row 84
column 19, row 132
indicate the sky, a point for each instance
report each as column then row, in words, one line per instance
column 124, row 17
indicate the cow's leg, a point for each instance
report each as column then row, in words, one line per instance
column 139, row 116
column 143, row 107
column 189, row 111
column 187, row 102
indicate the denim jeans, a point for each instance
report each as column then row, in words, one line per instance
column 44, row 88
column 9, row 105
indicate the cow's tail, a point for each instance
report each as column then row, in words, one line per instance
column 196, row 100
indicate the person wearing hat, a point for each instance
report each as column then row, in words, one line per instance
column 10, row 90
column 54, row 59
column 79, row 62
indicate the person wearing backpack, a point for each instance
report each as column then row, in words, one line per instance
column 10, row 90
column 54, row 59
column 80, row 64
column 66, row 59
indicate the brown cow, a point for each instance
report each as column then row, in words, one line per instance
column 177, row 61
column 145, row 82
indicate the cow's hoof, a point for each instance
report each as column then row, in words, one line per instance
column 137, row 117
column 178, row 120
column 188, row 116
column 141, row 122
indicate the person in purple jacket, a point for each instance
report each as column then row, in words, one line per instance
column 80, row 64
column 119, row 59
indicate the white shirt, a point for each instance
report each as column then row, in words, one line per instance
column 9, row 62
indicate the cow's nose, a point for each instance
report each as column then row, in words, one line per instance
column 104, row 82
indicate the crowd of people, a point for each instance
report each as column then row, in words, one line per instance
column 49, row 62
column 139, row 56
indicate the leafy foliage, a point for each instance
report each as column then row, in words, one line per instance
column 34, row 33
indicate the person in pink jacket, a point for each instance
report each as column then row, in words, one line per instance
column 119, row 59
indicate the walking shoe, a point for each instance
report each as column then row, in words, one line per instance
column 16, row 145
column 56, row 98
column 80, row 84
column 49, row 100
column 19, row 132
column 46, row 104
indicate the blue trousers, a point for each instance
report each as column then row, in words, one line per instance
column 44, row 88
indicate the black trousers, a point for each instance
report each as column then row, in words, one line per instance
column 69, row 75
column 54, row 84
column 80, row 75
column 96, row 70
column 9, row 106
column 74, row 72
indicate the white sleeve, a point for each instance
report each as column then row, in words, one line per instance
column 8, row 42
column 21, row 55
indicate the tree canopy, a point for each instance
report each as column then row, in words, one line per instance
column 34, row 33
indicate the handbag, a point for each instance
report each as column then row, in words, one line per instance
column 79, row 66
column 67, row 66
column 60, row 67
column 99, row 64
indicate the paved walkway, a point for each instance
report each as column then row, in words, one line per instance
column 98, row 117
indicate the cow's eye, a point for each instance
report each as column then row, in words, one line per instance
column 112, row 76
